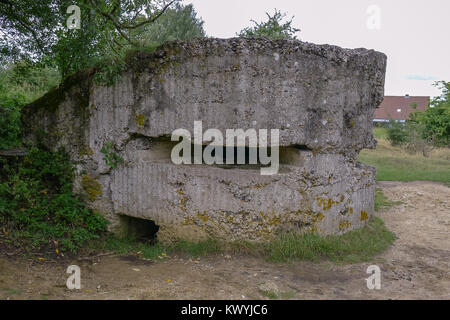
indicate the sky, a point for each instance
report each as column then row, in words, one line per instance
column 414, row 34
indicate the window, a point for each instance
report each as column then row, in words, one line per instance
column 399, row 110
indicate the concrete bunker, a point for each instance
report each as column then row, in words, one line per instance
column 321, row 98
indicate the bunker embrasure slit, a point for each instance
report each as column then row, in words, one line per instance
column 140, row 229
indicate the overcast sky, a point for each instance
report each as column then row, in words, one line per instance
column 414, row 34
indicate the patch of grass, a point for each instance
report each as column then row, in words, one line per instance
column 198, row 249
column 380, row 133
column 269, row 294
column 12, row 292
column 126, row 245
column 38, row 210
column 354, row 246
column 274, row 296
column 382, row 202
column 395, row 164
column 287, row 295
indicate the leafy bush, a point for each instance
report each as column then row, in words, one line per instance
column 435, row 121
column 10, row 121
column 410, row 135
column 20, row 84
column 177, row 23
column 416, row 139
column 397, row 133
column 37, row 207
column 427, row 128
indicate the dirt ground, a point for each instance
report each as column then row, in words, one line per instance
column 415, row 267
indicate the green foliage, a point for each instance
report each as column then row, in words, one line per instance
column 197, row 249
column 37, row 31
column 395, row 164
column 354, row 246
column 178, row 23
column 435, row 121
column 20, row 84
column 426, row 128
column 111, row 158
column 409, row 134
column 396, row 133
column 382, row 202
column 37, row 206
column 273, row 28
column 269, row 294
column 126, row 245
column 10, row 120
column 380, row 133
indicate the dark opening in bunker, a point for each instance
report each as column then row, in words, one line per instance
column 250, row 156
column 240, row 157
column 139, row 229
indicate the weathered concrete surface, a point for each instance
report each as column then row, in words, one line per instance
column 321, row 97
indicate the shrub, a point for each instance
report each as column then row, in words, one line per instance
column 396, row 133
column 37, row 207
column 435, row 121
column 10, row 122
column 416, row 141
column 411, row 135
column 20, row 84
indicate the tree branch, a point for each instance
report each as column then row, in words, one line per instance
column 151, row 19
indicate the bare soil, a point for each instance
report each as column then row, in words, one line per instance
column 415, row 267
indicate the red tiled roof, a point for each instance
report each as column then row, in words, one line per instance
column 390, row 105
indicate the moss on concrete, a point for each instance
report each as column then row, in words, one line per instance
column 92, row 187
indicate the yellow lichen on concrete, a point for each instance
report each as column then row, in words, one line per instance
column 92, row 187
column 203, row 217
column 343, row 225
column 140, row 119
column 364, row 215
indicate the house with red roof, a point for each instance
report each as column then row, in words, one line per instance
column 399, row 107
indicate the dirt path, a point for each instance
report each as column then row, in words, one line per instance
column 415, row 267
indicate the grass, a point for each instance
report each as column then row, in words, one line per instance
column 125, row 245
column 12, row 292
column 395, row 164
column 269, row 294
column 274, row 296
column 382, row 202
column 354, row 246
column 380, row 133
